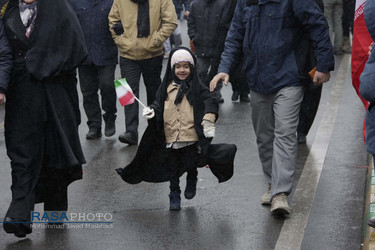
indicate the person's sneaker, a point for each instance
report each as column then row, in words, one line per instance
column 244, row 98
column 266, row 198
column 371, row 222
column 301, row 139
column 128, row 138
column 110, row 126
column 191, row 188
column 279, row 205
column 235, row 96
column 94, row 133
column 175, row 201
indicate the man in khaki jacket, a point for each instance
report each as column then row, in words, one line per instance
column 146, row 25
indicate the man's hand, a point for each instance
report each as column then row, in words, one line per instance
column 2, row 99
column 320, row 77
column 219, row 77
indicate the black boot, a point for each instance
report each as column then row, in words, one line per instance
column 244, row 98
column 175, row 201
column 235, row 96
column 94, row 133
column 13, row 226
column 110, row 125
column 129, row 138
column 191, row 188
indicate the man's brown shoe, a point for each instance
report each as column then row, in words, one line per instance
column 279, row 205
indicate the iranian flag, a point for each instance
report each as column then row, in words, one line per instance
column 361, row 43
column 124, row 92
column 360, row 49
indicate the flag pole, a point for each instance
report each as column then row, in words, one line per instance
column 139, row 101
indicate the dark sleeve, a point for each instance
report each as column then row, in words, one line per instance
column 186, row 4
column 210, row 100
column 192, row 25
column 367, row 86
column 314, row 22
column 5, row 59
column 156, row 105
column 234, row 39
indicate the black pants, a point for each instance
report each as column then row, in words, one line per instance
column 238, row 80
column 348, row 16
column 150, row 69
column 93, row 78
column 309, row 107
column 32, row 183
column 180, row 161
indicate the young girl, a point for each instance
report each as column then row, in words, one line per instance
column 181, row 128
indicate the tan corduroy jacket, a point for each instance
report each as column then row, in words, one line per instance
column 163, row 21
column 179, row 119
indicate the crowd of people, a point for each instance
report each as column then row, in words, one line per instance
column 278, row 52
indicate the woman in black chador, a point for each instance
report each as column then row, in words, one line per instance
column 42, row 112
column 181, row 128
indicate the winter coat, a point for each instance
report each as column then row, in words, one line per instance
column 5, row 59
column 93, row 17
column 149, row 163
column 265, row 31
column 367, row 80
column 207, row 22
column 163, row 21
column 42, row 93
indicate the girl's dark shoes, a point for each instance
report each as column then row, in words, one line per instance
column 12, row 226
column 175, row 201
column 191, row 188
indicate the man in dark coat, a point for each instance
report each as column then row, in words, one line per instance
column 5, row 62
column 98, row 71
column 208, row 23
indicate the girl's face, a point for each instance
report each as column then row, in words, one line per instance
column 28, row 1
column 182, row 70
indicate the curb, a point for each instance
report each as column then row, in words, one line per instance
column 369, row 232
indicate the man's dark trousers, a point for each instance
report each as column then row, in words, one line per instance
column 93, row 78
column 150, row 69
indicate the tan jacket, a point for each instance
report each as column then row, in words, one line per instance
column 163, row 21
column 179, row 119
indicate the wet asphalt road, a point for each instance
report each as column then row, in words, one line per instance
column 226, row 215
